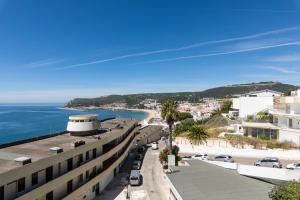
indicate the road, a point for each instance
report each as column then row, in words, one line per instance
column 154, row 186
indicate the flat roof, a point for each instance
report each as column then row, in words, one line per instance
column 78, row 117
column 202, row 180
column 259, row 125
column 39, row 149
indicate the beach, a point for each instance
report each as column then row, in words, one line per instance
column 150, row 113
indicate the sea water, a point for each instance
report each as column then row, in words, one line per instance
column 22, row 121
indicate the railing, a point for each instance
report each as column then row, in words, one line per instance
column 113, row 163
column 99, row 171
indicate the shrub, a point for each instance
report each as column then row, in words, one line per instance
column 287, row 191
column 163, row 155
column 184, row 115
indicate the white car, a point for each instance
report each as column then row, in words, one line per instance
column 154, row 146
column 293, row 166
column 200, row 156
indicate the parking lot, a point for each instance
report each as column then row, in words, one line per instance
column 247, row 160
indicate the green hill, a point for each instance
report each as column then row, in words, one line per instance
column 218, row 92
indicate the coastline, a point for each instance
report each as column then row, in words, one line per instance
column 150, row 113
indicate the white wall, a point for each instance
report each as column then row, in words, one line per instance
column 295, row 108
column 236, row 103
column 81, row 126
column 266, row 94
column 270, row 173
column 289, row 135
column 252, row 105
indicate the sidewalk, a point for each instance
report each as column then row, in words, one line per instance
column 116, row 190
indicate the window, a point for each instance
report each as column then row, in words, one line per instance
column 80, row 178
column 87, row 155
column 70, row 186
column 80, row 159
column 2, row 193
column 49, row 196
column 49, row 174
column 21, row 184
column 59, row 168
column 70, row 164
column 94, row 153
column 34, row 178
column 87, row 174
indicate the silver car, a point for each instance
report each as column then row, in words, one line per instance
column 269, row 162
column 224, row 158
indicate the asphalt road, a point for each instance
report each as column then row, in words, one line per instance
column 153, row 186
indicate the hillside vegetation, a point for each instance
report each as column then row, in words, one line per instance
column 218, row 92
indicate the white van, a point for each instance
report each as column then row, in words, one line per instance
column 154, row 146
column 135, row 177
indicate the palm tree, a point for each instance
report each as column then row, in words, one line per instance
column 197, row 134
column 170, row 114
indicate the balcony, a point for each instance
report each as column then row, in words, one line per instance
column 285, row 113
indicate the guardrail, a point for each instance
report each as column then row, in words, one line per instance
column 227, row 165
column 269, row 173
column 265, row 173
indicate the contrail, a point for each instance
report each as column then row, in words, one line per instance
column 184, row 47
column 222, row 53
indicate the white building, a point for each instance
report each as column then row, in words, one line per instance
column 286, row 112
column 286, row 121
column 83, row 124
column 254, row 102
column 76, row 164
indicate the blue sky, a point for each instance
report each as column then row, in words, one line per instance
column 52, row 51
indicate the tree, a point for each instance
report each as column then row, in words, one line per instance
column 225, row 105
column 286, row 191
column 183, row 126
column 184, row 115
column 197, row 134
column 169, row 112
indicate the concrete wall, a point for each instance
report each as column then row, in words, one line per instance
column 269, row 173
column 289, row 135
column 252, row 105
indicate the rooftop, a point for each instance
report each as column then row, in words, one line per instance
column 77, row 117
column 264, row 125
column 202, row 180
column 39, row 149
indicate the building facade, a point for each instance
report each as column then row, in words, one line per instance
column 254, row 102
column 66, row 165
column 286, row 112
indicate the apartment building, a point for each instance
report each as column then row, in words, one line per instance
column 253, row 102
column 75, row 164
column 286, row 112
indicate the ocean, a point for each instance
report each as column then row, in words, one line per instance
column 24, row 121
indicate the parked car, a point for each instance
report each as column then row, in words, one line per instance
column 186, row 157
column 135, row 177
column 141, row 149
column 136, row 165
column 268, row 162
column 293, row 166
column 224, row 158
column 154, row 146
column 139, row 157
column 200, row 156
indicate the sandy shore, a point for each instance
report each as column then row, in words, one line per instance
column 150, row 113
